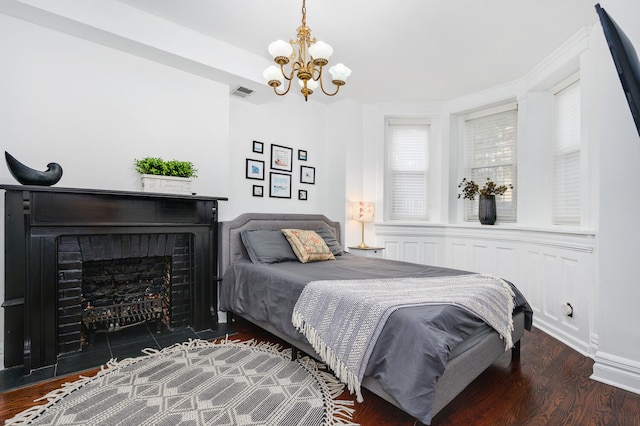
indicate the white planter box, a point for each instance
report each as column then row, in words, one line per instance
column 166, row 184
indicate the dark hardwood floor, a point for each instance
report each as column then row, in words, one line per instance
column 549, row 385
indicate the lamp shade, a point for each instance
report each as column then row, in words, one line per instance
column 363, row 211
column 320, row 50
column 311, row 84
column 340, row 72
column 273, row 73
column 280, row 48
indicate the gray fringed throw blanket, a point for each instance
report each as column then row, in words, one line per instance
column 343, row 319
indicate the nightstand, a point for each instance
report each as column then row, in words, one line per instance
column 367, row 252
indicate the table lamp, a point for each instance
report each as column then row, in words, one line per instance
column 363, row 212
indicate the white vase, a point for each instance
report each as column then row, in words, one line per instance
column 166, row 184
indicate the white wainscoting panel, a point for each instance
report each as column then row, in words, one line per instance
column 410, row 251
column 483, row 261
column 411, row 244
column 391, row 250
column 550, row 294
column 458, row 258
column 430, row 253
column 551, row 268
column 533, row 270
column 506, row 262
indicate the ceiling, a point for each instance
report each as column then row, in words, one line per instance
column 403, row 50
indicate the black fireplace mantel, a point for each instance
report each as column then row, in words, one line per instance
column 35, row 217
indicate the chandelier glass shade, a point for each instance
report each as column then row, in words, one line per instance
column 306, row 59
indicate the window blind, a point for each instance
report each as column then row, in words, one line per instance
column 407, row 169
column 490, row 152
column 566, row 156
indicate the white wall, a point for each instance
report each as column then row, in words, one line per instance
column 94, row 110
column 618, row 356
column 344, row 148
column 293, row 123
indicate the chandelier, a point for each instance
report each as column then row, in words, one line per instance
column 308, row 63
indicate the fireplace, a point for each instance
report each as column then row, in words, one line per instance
column 80, row 262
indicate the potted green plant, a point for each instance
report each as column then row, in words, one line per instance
column 487, row 208
column 171, row 176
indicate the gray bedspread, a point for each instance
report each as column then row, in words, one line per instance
column 415, row 344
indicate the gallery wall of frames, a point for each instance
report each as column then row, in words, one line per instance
column 279, row 170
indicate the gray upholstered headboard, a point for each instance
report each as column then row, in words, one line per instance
column 231, row 247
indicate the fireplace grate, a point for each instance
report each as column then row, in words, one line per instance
column 118, row 316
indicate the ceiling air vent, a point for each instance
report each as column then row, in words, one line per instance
column 242, row 92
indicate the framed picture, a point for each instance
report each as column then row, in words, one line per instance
column 302, row 155
column 307, row 174
column 279, row 185
column 281, row 158
column 258, row 190
column 258, row 147
column 302, row 194
column 255, row 169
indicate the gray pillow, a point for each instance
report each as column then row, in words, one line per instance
column 332, row 242
column 267, row 246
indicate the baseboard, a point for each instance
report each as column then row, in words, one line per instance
column 616, row 371
column 572, row 341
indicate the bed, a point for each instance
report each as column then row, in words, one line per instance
column 425, row 355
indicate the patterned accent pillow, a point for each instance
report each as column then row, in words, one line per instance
column 308, row 245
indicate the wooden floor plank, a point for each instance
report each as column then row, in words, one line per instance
column 549, row 385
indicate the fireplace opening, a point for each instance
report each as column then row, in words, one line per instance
column 107, row 283
column 122, row 293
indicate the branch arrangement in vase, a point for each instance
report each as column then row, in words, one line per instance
column 470, row 189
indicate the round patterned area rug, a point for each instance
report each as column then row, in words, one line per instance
column 199, row 383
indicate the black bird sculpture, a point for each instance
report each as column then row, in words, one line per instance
column 28, row 176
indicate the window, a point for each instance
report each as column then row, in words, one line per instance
column 490, row 152
column 407, row 169
column 566, row 155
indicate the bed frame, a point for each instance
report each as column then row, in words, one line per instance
column 460, row 371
